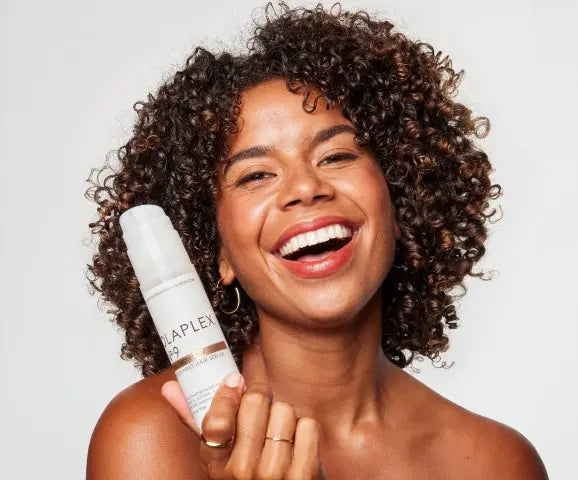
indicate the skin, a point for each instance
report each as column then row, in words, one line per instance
column 317, row 362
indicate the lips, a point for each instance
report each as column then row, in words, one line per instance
column 324, row 267
column 310, row 225
column 328, row 265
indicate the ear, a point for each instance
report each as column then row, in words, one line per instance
column 225, row 268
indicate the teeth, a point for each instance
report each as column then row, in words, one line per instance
column 322, row 236
column 301, row 241
column 313, row 238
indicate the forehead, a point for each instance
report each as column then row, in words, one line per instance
column 271, row 114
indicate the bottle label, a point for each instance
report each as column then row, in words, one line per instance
column 192, row 337
column 183, row 316
column 200, row 376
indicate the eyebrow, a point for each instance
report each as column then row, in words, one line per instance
column 262, row 150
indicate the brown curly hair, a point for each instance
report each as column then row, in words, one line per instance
column 398, row 95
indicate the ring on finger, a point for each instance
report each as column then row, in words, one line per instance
column 208, row 443
column 279, row 439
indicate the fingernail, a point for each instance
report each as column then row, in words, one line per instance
column 233, row 380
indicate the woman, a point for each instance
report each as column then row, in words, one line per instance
column 334, row 124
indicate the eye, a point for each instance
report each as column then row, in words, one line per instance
column 251, row 177
column 338, row 156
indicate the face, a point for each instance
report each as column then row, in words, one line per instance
column 296, row 181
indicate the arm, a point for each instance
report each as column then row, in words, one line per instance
column 138, row 436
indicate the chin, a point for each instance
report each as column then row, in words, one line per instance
column 328, row 311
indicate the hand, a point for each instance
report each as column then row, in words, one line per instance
column 249, row 413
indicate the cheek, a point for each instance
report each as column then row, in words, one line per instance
column 241, row 220
column 368, row 188
column 379, row 205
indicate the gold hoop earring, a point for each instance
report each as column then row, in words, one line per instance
column 238, row 300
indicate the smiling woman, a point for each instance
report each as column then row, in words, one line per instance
column 330, row 180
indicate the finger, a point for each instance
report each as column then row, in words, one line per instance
column 219, row 424
column 252, row 420
column 306, row 463
column 174, row 394
column 277, row 455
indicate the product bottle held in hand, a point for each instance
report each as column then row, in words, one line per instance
column 178, row 305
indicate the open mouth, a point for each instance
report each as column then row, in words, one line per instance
column 319, row 247
column 319, row 251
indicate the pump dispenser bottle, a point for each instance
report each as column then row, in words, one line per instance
column 178, row 304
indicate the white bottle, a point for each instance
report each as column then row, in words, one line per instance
column 178, row 304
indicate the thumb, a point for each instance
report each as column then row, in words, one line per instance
column 174, row 394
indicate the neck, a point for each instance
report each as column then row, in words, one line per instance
column 336, row 376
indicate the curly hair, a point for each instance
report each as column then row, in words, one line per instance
column 398, row 94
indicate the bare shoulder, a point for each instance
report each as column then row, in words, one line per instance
column 491, row 449
column 139, row 436
column 469, row 445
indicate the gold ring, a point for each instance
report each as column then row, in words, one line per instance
column 279, row 439
column 208, row 443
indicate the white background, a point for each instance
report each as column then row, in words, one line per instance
column 70, row 72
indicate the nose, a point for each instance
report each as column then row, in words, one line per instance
column 303, row 185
